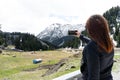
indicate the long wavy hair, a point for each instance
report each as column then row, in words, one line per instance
column 98, row 30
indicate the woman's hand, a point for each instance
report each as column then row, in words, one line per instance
column 78, row 34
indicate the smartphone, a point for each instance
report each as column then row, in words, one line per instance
column 72, row 32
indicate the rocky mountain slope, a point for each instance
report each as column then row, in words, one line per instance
column 57, row 33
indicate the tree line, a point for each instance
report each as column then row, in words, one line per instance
column 22, row 41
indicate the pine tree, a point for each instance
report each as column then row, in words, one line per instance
column 111, row 16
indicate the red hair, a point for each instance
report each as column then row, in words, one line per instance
column 98, row 30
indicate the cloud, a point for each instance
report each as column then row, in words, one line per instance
column 33, row 16
column 64, row 18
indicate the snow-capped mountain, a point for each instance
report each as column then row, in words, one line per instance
column 57, row 31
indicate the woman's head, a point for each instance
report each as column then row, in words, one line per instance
column 98, row 30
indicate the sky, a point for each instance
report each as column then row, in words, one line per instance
column 33, row 16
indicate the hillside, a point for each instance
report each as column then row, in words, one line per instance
column 19, row 65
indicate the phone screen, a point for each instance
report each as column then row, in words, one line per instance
column 72, row 32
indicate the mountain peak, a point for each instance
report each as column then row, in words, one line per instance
column 57, row 30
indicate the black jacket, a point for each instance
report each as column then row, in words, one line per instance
column 95, row 65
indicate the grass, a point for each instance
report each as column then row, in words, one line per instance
column 13, row 68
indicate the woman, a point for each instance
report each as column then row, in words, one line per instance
column 97, row 60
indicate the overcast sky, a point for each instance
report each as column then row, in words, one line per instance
column 33, row 16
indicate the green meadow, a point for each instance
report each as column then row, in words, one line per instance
column 19, row 65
